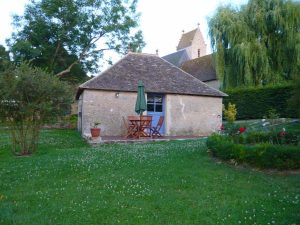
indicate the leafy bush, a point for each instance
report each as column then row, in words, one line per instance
column 29, row 98
column 253, row 103
column 263, row 155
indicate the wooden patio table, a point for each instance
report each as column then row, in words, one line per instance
column 141, row 124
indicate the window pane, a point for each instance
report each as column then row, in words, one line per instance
column 150, row 99
column 158, row 108
column 150, row 107
column 158, row 99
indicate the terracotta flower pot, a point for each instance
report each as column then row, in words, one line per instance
column 95, row 132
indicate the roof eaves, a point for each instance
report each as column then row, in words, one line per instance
column 209, row 80
column 150, row 91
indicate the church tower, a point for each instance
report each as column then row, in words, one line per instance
column 193, row 42
column 190, row 46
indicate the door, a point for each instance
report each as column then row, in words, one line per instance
column 155, row 108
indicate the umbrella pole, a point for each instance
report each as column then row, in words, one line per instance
column 140, row 125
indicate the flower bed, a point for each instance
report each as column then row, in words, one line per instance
column 277, row 138
column 262, row 155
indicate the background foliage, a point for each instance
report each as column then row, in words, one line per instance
column 294, row 101
column 256, row 44
column 256, row 102
column 70, row 36
column 4, row 58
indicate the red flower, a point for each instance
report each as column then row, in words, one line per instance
column 242, row 129
column 282, row 133
column 222, row 127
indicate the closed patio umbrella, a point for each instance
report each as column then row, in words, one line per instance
column 140, row 104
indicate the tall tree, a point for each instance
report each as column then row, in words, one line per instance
column 256, row 44
column 71, row 36
column 4, row 58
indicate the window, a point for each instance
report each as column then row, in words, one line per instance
column 154, row 103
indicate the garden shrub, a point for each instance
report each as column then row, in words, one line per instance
column 289, row 138
column 230, row 128
column 264, row 155
column 255, row 102
column 230, row 113
column 30, row 98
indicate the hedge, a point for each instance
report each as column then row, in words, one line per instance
column 280, row 157
column 254, row 103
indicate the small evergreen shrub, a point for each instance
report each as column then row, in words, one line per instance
column 230, row 113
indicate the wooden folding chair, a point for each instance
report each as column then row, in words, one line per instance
column 130, row 128
column 155, row 130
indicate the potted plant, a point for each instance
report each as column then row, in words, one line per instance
column 95, row 130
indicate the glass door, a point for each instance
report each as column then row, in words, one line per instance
column 155, row 108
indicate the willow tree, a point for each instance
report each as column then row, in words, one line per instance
column 258, row 43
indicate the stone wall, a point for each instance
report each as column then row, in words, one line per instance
column 192, row 115
column 198, row 43
column 184, row 114
column 108, row 109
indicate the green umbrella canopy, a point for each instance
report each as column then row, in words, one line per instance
column 140, row 104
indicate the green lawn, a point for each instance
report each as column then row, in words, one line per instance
column 68, row 182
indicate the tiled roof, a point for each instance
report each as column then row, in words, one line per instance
column 202, row 68
column 177, row 58
column 158, row 76
column 186, row 39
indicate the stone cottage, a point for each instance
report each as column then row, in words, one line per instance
column 189, row 106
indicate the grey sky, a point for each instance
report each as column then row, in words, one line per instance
column 162, row 21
